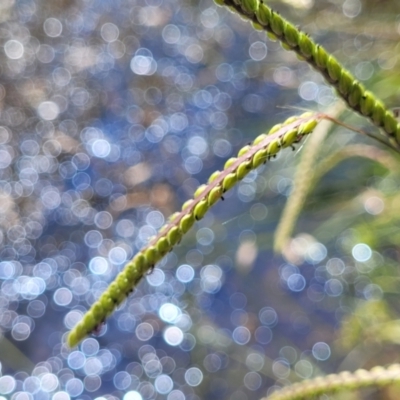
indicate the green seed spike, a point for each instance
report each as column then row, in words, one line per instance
column 186, row 222
column 171, row 233
column 229, row 182
column 200, row 209
column 344, row 82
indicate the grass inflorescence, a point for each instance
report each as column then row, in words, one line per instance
column 249, row 158
column 348, row 87
column 334, row 383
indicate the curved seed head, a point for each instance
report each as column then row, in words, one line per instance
column 229, row 182
column 200, row 209
column 186, row 222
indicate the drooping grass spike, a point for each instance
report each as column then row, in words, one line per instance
column 334, row 383
column 291, row 38
column 236, row 168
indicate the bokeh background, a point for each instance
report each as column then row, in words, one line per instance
column 111, row 114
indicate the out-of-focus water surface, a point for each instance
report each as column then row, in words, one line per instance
column 111, row 114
